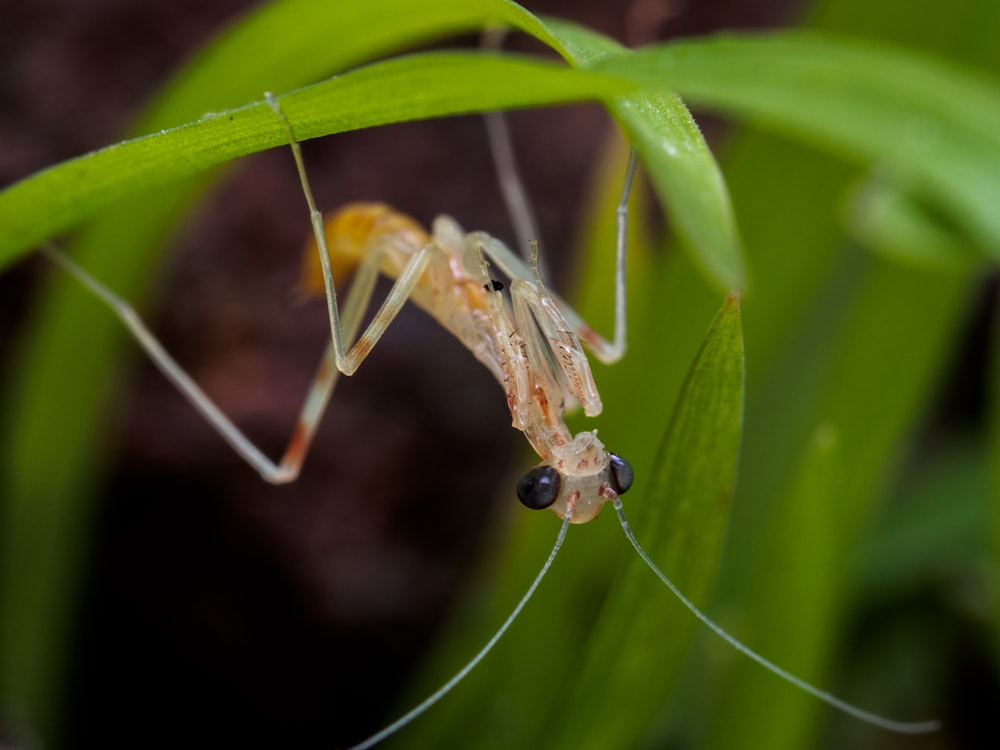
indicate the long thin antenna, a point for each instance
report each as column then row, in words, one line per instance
column 905, row 727
column 460, row 675
column 171, row 369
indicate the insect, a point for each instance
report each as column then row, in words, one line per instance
column 528, row 338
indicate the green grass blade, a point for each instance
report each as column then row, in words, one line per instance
column 635, row 647
column 59, row 198
column 680, row 164
column 940, row 526
column 890, row 320
column 671, row 144
column 930, row 123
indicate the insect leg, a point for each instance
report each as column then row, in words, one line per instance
column 553, row 344
column 176, row 374
column 511, row 185
column 606, row 351
column 327, row 373
column 334, row 361
column 349, row 361
column 516, row 268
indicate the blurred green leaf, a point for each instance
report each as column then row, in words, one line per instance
column 790, row 612
column 940, row 526
column 992, row 550
column 878, row 322
column 889, row 221
column 928, row 121
column 808, row 279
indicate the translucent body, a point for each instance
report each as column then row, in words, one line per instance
column 526, row 341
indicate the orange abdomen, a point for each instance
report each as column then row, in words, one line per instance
column 351, row 232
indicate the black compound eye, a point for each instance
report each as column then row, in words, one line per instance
column 622, row 475
column 539, row 488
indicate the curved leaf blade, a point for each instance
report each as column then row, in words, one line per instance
column 634, row 650
column 932, row 124
column 55, row 200
column 680, row 163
